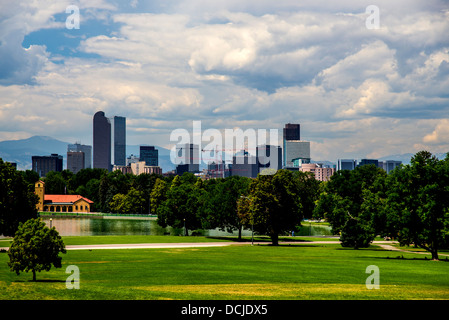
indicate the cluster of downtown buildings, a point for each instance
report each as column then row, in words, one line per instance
column 109, row 139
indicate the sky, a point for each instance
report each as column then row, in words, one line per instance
column 362, row 84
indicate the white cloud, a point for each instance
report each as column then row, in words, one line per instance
column 235, row 63
column 440, row 135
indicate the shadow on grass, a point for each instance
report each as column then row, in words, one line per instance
column 259, row 239
column 401, row 257
column 41, row 280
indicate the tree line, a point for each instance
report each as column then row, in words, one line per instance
column 270, row 204
column 410, row 204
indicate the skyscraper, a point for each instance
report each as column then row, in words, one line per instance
column 119, row 141
column 101, row 141
column 75, row 161
column 150, row 155
column 187, row 158
column 77, row 147
column 269, row 157
column 292, row 132
column 244, row 165
column 346, row 164
column 44, row 164
column 294, row 148
column 368, row 161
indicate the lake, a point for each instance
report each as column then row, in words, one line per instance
column 106, row 225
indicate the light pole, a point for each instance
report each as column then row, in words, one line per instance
column 51, row 220
column 252, row 229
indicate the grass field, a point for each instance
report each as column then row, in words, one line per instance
column 296, row 271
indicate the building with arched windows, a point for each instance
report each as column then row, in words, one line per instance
column 60, row 202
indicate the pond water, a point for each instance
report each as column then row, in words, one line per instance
column 86, row 226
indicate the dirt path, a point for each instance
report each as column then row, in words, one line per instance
column 392, row 248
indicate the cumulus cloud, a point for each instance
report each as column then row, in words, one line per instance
column 252, row 64
column 440, row 135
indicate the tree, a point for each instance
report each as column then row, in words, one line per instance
column 274, row 204
column 35, row 248
column 418, row 203
column 181, row 205
column 158, row 195
column 55, row 183
column 82, row 177
column 17, row 199
column 347, row 203
column 30, row 176
column 219, row 208
column 132, row 202
column 111, row 184
column 308, row 191
column 145, row 183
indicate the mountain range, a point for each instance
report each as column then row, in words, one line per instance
column 21, row 151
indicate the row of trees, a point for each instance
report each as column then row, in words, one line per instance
column 411, row 204
column 270, row 204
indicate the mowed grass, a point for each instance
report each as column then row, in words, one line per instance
column 302, row 271
column 134, row 239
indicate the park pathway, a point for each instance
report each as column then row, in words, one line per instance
column 386, row 245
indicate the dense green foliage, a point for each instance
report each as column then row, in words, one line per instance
column 276, row 203
column 273, row 205
column 35, row 248
column 411, row 204
column 17, row 199
column 417, row 203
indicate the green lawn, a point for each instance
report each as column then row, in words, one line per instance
column 82, row 240
column 302, row 271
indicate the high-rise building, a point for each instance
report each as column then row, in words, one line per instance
column 101, row 141
column 292, row 132
column 187, row 158
column 77, row 147
column 294, row 148
column 44, row 164
column 75, row 161
column 389, row 165
column 346, row 164
column 149, row 154
column 368, row 161
column 244, row 165
column 218, row 169
column 269, row 157
column 119, row 140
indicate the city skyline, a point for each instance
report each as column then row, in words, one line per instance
column 357, row 92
